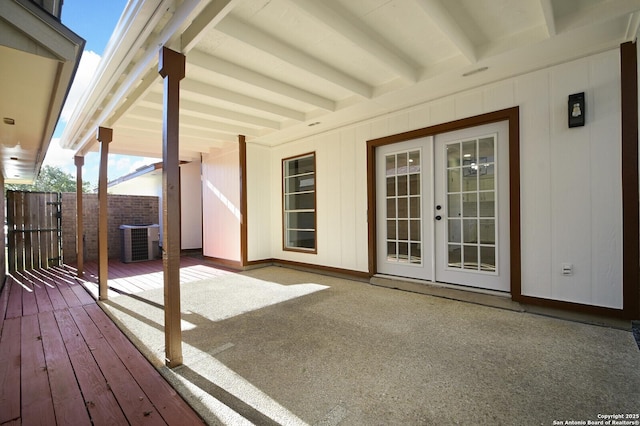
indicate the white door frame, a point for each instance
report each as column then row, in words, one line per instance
column 511, row 115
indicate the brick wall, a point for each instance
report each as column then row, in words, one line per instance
column 123, row 209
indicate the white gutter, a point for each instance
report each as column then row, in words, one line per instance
column 79, row 133
column 125, row 39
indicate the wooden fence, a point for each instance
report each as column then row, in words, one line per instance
column 33, row 230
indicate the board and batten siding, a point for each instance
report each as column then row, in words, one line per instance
column 571, row 202
column 190, row 206
column 221, row 203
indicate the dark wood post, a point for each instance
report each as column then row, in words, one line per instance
column 105, row 136
column 79, row 161
column 171, row 66
column 243, row 200
column 630, row 208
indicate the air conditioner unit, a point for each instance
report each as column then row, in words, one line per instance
column 139, row 242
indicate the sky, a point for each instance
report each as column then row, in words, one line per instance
column 93, row 20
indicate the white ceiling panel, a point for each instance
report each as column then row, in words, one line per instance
column 269, row 69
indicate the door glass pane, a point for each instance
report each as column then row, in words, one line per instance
column 392, row 251
column 471, row 187
column 402, row 184
column 488, row 259
column 391, row 207
column 469, row 152
column 470, row 204
column 485, row 149
column 414, row 207
column 453, row 155
column 453, row 207
column 487, row 204
column 487, row 231
column 403, row 230
column 403, row 252
column 416, row 253
column 414, row 230
column 486, row 176
column 414, row 184
column 402, row 164
column 404, row 221
column 455, row 256
column 414, row 161
column 455, row 233
column 470, row 257
column 390, row 165
column 470, row 178
column 453, row 180
column 470, row 230
column 403, row 207
column 391, row 229
column 391, row 186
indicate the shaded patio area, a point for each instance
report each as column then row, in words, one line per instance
column 279, row 346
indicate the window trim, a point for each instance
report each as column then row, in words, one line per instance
column 285, row 247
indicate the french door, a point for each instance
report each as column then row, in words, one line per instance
column 442, row 208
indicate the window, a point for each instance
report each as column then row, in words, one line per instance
column 299, row 203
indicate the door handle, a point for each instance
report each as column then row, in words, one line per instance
column 438, row 217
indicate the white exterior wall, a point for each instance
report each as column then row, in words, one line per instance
column 149, row 184
column 259, row 203
column 571, row 209
column 190, row 206
column 221, row 203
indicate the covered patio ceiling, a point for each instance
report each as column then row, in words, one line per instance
column 278, row 70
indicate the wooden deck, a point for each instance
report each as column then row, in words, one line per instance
column 64, row 362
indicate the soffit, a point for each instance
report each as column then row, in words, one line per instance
column 39, row 57
column 270, row 69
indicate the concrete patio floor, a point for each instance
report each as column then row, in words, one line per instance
column 300, row 348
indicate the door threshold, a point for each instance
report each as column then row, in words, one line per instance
column 478, row 296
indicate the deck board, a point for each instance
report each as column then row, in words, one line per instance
column 99, row 400
column 169, row 404
column 65, row 362
column 37, row 403
column 132, row 400
column 14, row 309
column 10, row 370
column 42, row 298
column 65, row 392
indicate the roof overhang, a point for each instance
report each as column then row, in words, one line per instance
column 280, row 70
column 39, row 58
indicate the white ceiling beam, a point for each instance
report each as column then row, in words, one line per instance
column 139, row 69
column 632, row 27
column 352, row 29
column 225, row 95
column 155, row 116
column 138, row 128
column 450, row 28
column 245, row 75
column 200, row 109
column 549, row 17
column 600, row 12
column 262, row 41
column 138, row 93
column 207, row 19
